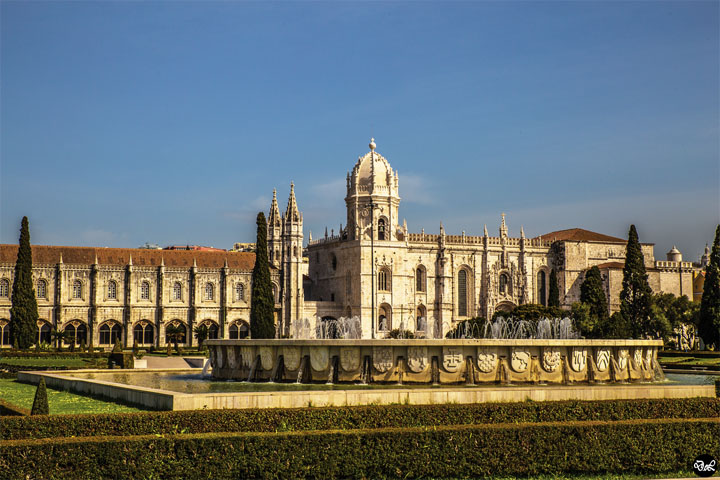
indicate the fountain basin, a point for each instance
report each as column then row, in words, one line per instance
column 437, row 361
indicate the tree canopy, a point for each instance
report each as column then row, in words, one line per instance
column 709, row 322
column 262, row 307
column 636, row 295
column 24, row 311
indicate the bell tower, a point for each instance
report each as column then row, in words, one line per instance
column 292, row 248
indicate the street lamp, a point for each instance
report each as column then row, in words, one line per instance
column 372, row 207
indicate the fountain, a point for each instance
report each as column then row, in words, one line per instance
column 511, row 351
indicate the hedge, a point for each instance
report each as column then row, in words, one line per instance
column 7, row 408
column 636, row 446
column 34, row 354
column 346, row 418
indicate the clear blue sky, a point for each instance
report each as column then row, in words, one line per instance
column 171, row 122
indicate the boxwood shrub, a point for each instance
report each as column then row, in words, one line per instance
column 345, row 418
column 634, row 446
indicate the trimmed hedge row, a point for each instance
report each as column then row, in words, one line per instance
column 34, row 354
column 346, row 418
column 7, row 408
column 645, row 446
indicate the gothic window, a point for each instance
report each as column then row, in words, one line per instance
column 41, row 291
column 112, row 289
column 144, row 333
column 110, row 333
column 239, row 292
column 209, row 291
column 77, row 289
column 239, row 330
column 4, row 288
column 384, row 280
column 175, row 332
column 334, row 262
column 213, row 329
column 462, row 294
column 75, row 334
column 4, row 332
column 177, row 291
column 145, row 291
column 421, row 318
column 275, row 293
column 420, row 279
column 44, row 333
column 541, row 288
column 384, row 319
column 503, row 283
column 381, row 229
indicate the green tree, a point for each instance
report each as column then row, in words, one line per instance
column 592, row 294
column 709, row 321
column 636, row 295
column 40, row 403
column 24, row 311
column 174, row 334
column 262, row 306
column 202, row 332
column 553, row 290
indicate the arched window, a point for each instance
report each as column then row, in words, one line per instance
column 4, row 332
column 420, row 279
column 41, row 290
column 275, row 293
column 213, row 329
column 77, row 289
column 334, row 262
column 239, row 292
column 462, row 294
column 4, row 288
column 384, row 318
column 421, row 318
column 381, row 229
column 145, row 291
column 144, row 333
column 110, row 333
column 239, row 330
column 44, row 333
column 76, row 333
column 541, row 288
column 209, row 291
column 175, row 332
column 503, row 284
column 384, row 282
column 177, row 291
column 112, row 290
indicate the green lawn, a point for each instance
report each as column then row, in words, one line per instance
column 689, row 361
column 60, row 402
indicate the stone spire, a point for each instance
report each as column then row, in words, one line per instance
column 274, row 217
column 291, row 213
column 503, row 227
column 522, row 232
column 485, row 232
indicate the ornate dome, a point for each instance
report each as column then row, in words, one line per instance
column 373, row 173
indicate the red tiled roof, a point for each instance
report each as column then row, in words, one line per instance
column 46, row 254
column 618, row 265
column 581, row 235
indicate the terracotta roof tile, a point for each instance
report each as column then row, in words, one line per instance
column 614, row 265
column 581, row 235
column 45, row 254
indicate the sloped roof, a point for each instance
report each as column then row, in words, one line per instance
column 611, row 265
column 581, row 235
column 50, row 254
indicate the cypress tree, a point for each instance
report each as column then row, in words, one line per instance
column 24, row 311
column 709, row 325
column 262, row 306
column 553, row 290
column 592, row 293
column 636, row 295
column 40, row 404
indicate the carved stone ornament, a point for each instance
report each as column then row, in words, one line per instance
column 550, row 359
column 291, row 357
column 417, row 359
column 602, row 359
column 232, row 354
column 623, row 356
column 382, row 359
column 319, row 357
column 248, row 356
column 486, row 360
column 578, row 359
column 637, row 357
column 350, row 359
column 520, row 360
column 267, row 358
column 214, row 357
column 452, row 359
